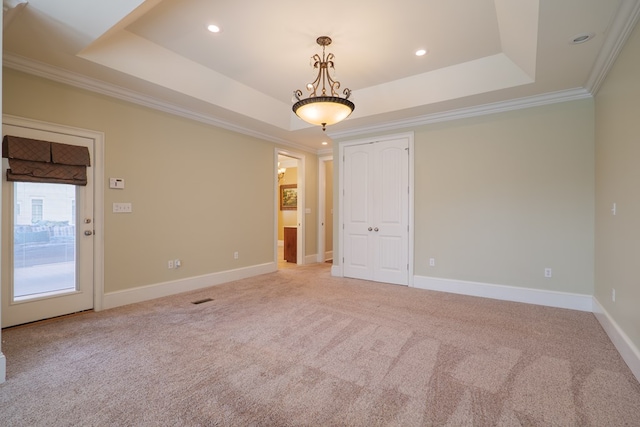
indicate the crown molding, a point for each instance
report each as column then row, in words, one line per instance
column 621, row 27
column 60, row 75
column 463, row 113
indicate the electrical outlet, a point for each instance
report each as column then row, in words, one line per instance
column 236, row 255
column 548, row 273
column 613, row 295
column 170, row 263
column 432, row 262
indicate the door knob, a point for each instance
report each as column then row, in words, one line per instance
column 369, row 228
column 375, row 229
column 88, row 233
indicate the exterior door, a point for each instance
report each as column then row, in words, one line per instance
column 47, row 242
column 376, row 211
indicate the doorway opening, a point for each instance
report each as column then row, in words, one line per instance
column 289, row 203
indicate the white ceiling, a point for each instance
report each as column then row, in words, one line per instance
column 483, row 56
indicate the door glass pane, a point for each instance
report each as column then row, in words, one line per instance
column 44, row 238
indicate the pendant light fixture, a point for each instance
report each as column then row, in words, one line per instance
column 327, row 107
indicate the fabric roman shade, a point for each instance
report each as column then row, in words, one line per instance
column 33, row 160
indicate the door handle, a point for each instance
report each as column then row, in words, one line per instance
column 375, row 229
column 369, row 228
column 88, row 233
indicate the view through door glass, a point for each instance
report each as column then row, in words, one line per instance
column 44, row 240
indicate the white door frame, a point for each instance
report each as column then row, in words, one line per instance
column 322, row 206
column 338, row 265
column 300, row 211
column 97, row 164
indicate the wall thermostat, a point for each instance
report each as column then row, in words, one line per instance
column 116, row 183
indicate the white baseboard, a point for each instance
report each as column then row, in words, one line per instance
column 336, row 270
column 311, row 259
column 325, row 257
column 507, row 293
column 145, row 293
column 629, row 352
column 3, row 368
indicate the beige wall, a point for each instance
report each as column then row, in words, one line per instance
column 618, row 181
column 199, row 193
column 498, row 198
column 501, row 197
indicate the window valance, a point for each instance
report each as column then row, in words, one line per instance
column 33, row 160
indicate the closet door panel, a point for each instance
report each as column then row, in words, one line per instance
column 358, row 212
column 391, row 211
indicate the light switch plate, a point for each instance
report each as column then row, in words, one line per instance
column 122, row 208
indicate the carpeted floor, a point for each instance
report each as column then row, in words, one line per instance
column 301, row 348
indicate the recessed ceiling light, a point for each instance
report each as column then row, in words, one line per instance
column 213, row 28
column 421, row 52
column 582, row 38
column 325, row 143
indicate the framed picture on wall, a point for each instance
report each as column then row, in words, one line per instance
column 289, row 197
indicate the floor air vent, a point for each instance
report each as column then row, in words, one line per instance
column 202, row 300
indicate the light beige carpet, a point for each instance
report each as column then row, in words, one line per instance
column 299, row 347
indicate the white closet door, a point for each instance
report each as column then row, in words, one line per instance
column 358, row 200
column 391, row 216
column 376, row 198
